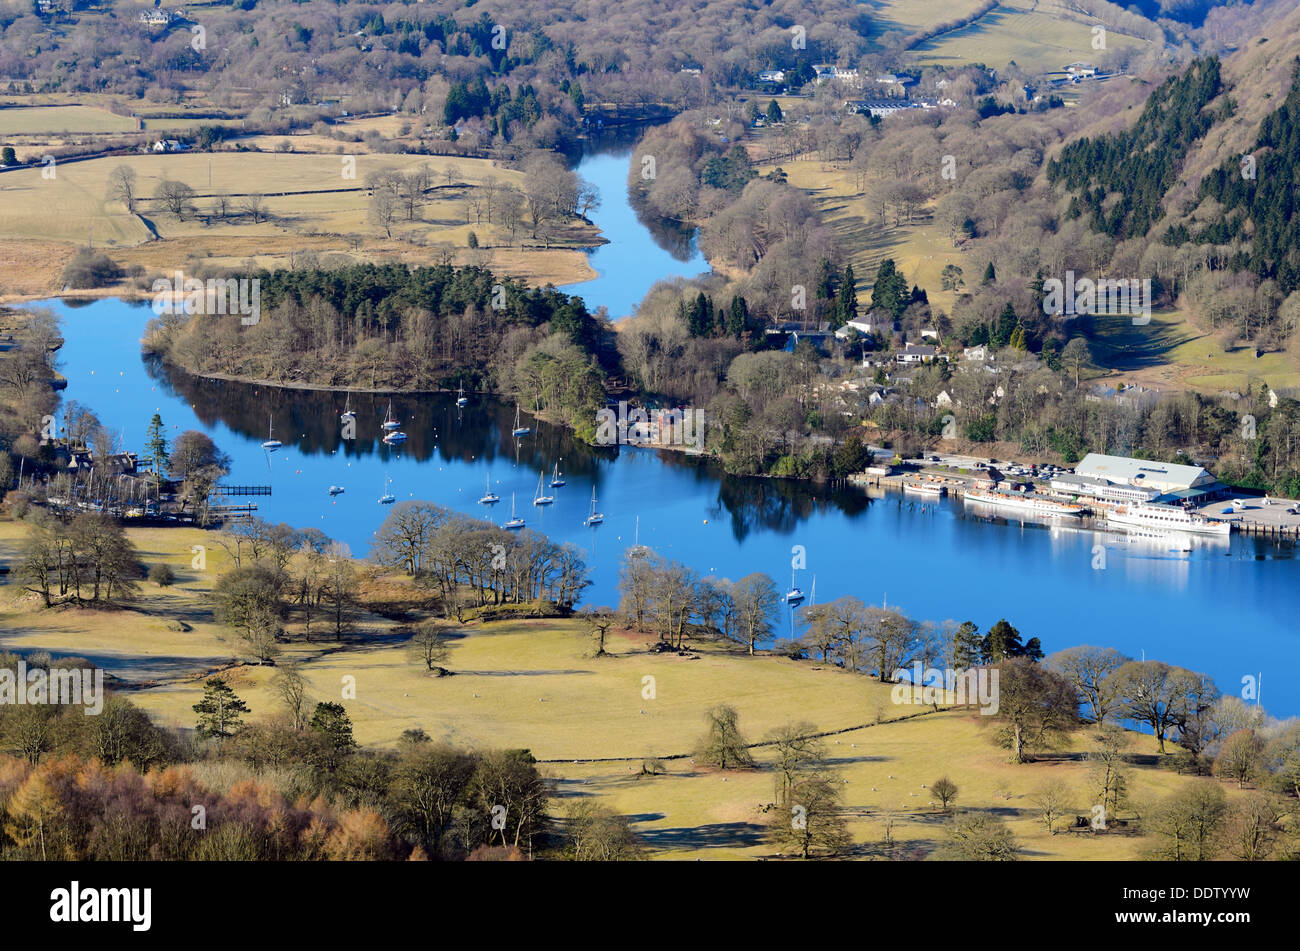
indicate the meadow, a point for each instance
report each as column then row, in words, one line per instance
column 593, row 721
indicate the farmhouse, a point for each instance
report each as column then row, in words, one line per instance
column 772, row 76
column 914, row 353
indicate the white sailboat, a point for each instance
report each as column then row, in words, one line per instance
column 271, row 444
column 519, row 430
column 461, row 399
column 557, row 480
column 390, row 421
column 489, row 497
column 336, row 490
column 595, row 518
column 387, row 498
column 515, row 521
column 395, row 438
column 348, row 415
column 540, row 499
column 638, row 550
column 794, row 595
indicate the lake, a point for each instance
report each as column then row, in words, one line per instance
column 1225, row 610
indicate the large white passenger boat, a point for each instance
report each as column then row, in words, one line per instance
column 1025, row 503
column 1166, row 517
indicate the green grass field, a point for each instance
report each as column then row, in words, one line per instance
column 534, row 684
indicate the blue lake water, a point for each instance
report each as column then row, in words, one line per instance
column 1227, row 610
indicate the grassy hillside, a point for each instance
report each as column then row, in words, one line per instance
column 535, row 685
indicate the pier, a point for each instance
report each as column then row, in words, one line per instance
column 228, row 491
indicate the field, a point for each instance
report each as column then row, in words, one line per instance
column 312, row 206
column 593, row 720
column 58, row 120
column 1038, row 35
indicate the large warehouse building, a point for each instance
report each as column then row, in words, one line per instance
column 1163, row 477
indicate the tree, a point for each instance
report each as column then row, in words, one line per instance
column 430, row 646
column 428, row 783
column 1241, row 758
column 945, row 790
column 1076, row 357
column 1153, row 693
column 340, row 586
column 219, row 711
column 1035, row 705
column 255, row 206
column 1254, row 825
column 291, row 686
column 248, row 601
column 405, row 538
column 951, row 278
column 1107, row 775
column 723, row 745
column 595, row 833
column 1088, row 669
column 979, row 837
column 331, row 723
column 756, row 603
column 1185, row 826
column 798, row 751
column 809, row 818
column 8, row 156
column 176, row 197
column 599, row 620
column 509, row 779
column 384, row 208
column 773, row 113
column 1053, row 801
column 121, row 186
column 155, row 444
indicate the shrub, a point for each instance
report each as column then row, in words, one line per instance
column 162, row 576
column 90, row 268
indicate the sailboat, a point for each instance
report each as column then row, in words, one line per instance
column 489, row 497
column 557, row 480
column 515, row 521
column 461, row 399
column 395, row 438
column 271, row 444
column 595, row 518
column 390, row 421
column 519, row 430
column 348, row 415
column 637, row 549
column 540, row 499
column 794, row 595
column 336, row 490
column 387, row 498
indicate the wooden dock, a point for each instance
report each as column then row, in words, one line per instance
column 227, row 491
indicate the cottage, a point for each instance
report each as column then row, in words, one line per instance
column 772, row 76
column 917, row 353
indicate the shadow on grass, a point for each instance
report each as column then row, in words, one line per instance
column 718, row 835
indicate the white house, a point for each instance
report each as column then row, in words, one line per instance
column 169, row 145
column 917, row 353
column 863, row 325
column 979, row 353
column 943, row 399
column 929, row 333
column 772, row 76
column 1081, row 70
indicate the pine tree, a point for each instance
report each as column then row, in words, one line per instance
column 219, row 710
column 738, row 317
column 156, row 445
column 990, row 275
column 846, row 304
